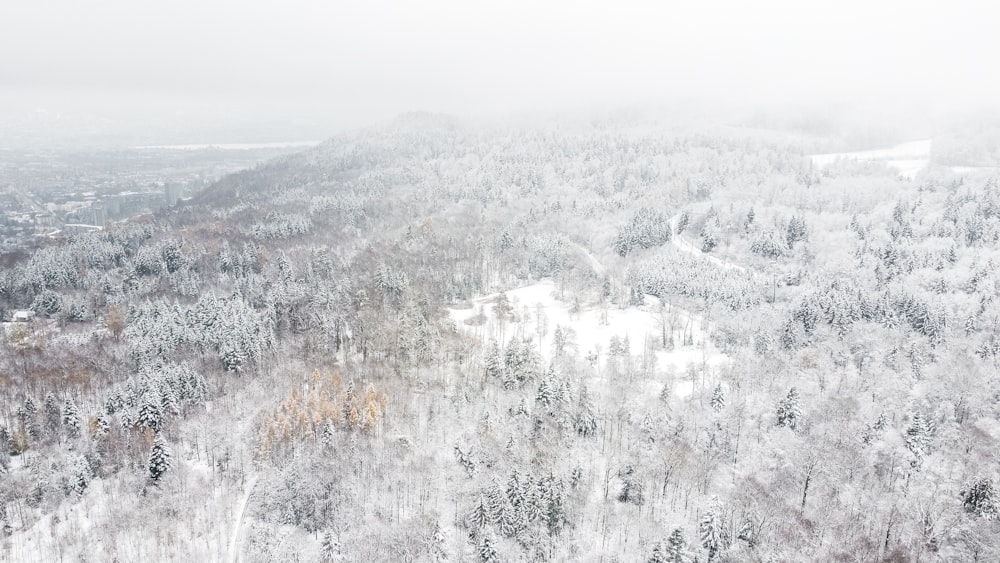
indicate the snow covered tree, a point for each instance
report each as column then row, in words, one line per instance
column 980, row 498
column 438, row 544
column 502, row 309
column 82, row 475
column 480, row 516
column 631, row 491
column 492, row 361
column 465, row 460
column 512, row 520
column 329, row 548
column 918, row 437
column 551, row 491
column 329, row 431
column 659, row 554
column 584, row 422
column 52, row 414
column 27, row 416
column 768, row 245
column 71, row 417
column 647, row 228
column 160, row 459
column 796, row 231
column 710, row 530
column 559, row 341
column 718, row 398
column 495, row 501
column 48, row 303
column 546, row 393
column 788, row 409
column 487, row 549
column 676, row 551
column 150, row 412
column 709, row 239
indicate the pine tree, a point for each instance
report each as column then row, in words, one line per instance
column 81, row 475
column 169, row 402
column 918, row 438
column 980, row 498
column 52, row 414
column 438, row 544
column 631, row 488
column 71, row 417
column 558, row 341
column 285, row 273
column 710, row 531
column 788, row 409
column 114, row 403
column 495, row 501
column 27, row 415
column 329, row 549
column 480, row 516
column 970, row 324
column 329, row 431
column 585, row 423
column 543, row 397
column 534, row 505
column 718, row 399
column 493, row 363
column 659, row 554
column 159, row 459
column 487, row 551
column 551, row 490
column 150, row 412
column 514, row 490
column 512, row 520
column 796, row 231
column 708, row 240
column 676, row 547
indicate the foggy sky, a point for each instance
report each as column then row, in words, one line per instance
column 350, row 63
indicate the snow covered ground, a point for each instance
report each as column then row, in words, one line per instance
column 538, row 312
column 908, row 158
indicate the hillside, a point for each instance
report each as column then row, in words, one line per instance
column 436, row 340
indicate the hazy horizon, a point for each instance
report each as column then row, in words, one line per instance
column 198, row 70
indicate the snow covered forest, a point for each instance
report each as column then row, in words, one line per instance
column 440, row 340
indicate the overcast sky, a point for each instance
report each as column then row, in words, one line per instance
column 354, row 62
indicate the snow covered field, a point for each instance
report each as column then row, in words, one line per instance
column 538, row 311
column 908, row 158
